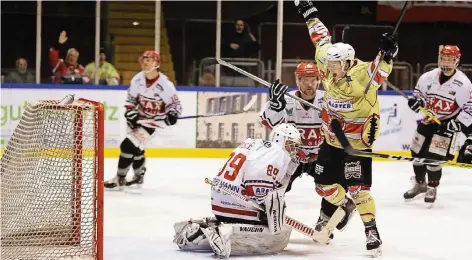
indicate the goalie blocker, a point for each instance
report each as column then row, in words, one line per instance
column 257, row 169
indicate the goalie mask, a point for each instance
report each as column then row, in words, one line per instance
column 308, row 79
column 288, row 137
column 150, row 60
column 337, row 56
column 448, row 59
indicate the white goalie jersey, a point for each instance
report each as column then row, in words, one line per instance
column 253, row 169
column 306, row 119
column 154, row 101
column 448, row 100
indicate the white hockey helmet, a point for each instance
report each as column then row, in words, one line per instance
column 341, row 52
column 286, row 136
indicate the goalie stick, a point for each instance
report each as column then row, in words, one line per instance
column 256, row 78
column 319, row 236
column 246, row 108
column 339, row 133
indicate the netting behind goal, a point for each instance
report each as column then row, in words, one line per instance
column 52, row 183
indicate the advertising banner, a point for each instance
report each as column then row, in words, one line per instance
column 230, row 130
column 13, row 100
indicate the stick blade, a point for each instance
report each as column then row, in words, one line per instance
column 250, row 104
column 339, row 133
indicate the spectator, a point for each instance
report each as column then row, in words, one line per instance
column 20, row 75
column 68, row 70
column 107, row 72
column 239, row 43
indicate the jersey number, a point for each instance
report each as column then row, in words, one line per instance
column 272, row 171
column 232, row 166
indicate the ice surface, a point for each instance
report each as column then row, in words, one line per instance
column 139, row 223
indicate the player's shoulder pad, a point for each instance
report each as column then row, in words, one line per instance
column 137, row 79
column 164, row 83
column 291, row 100
column 461, row 79
column 260, row 147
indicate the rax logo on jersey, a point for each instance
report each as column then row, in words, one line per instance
column 151, row 106
column 440, row 105
column 311, row 136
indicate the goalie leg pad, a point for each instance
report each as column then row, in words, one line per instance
column 257, row 240
column 189, row 237
column 275, row 210
column 219, row 239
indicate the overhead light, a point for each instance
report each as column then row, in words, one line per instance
column 135, row 23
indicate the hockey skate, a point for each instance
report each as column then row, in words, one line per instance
column 138, row 179
column 430, row 196
column 116, row 183
column 418, row 188
column 321, row 223
column 349, row 207
column 373, row 241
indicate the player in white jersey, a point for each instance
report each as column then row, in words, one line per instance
column 446, row 92
column 153, row 99
column 280, row 109
column 257, row 169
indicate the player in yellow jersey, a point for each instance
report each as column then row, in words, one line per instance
column 345, row 79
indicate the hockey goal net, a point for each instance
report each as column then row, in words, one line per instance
column 52, row 183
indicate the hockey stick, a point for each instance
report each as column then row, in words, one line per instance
column 422, row 109
column 263, row 82
column 383, row 54
column 339, row 133
column 319, row 236
column 246, row 108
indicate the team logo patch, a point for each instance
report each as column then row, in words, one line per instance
column 352, row 170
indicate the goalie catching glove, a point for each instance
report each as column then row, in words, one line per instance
column 276, row 96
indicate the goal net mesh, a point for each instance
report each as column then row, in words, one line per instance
column 49, row 181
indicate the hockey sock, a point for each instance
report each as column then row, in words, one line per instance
column 127, row 152
column 434, row 175
column 139, row 162
column 420, row 172
column 334, row 193
column 364, row 202
column 327, row 208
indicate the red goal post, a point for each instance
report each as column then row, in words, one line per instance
column 52, row 182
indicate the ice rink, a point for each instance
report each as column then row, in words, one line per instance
column 139, row 222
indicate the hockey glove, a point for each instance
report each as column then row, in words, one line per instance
column 465, row 153
column 171, row 118
column 132, row 117
column 452, row 126
column 388, row 46
column 307, row 9
column 275, row 210
column 415, row 103
column 276, row 96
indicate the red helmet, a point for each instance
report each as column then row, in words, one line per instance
column 151, row 54
column 452, row 51
column 307, row 69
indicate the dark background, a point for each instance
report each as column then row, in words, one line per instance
column 418, row 41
